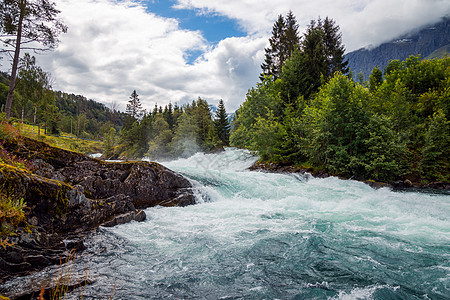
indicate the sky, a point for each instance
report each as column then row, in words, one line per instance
column 178, row 50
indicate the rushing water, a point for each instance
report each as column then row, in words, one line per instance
column 256, row 235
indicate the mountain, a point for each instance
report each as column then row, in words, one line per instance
column 429, row 42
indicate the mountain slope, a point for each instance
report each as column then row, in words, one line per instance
column 423, row 42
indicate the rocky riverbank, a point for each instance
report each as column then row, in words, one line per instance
column 398, row 184
column 68, row 194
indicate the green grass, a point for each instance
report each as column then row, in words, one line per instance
column 68, row 142
column 11, row 215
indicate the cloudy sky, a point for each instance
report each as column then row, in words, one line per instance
column 178, row 50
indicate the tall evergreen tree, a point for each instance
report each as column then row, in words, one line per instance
column 222, row 124
column 314, row 57
column 323, row 53
column 168, row 115
column 133, row 111
column 282, row 44
column 290, row 39
column 334, row 49
column 275, row 55
column 134, row 106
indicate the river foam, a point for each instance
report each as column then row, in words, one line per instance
column 256, row 235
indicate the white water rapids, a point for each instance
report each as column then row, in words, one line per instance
column 256, row 235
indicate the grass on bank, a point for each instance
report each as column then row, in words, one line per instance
column 64, row 141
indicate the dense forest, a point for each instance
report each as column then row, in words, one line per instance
column 311, row 113
column 171, row 131
column 56, row 112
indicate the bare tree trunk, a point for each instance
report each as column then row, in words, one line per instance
column 23, row 109
column 12, row 83
column 34, row 117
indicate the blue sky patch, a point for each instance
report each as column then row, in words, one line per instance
column 213, row 27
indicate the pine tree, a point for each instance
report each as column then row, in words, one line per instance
column 168, row 115
column 275, row 55
column 282, row 44
column 290, row 38
column 134, row 106
column 334, row 49
column 323, row 53
column 133, row 111
column 222, row 124
column 313, row 58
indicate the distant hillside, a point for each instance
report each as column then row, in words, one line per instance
column 429, row 42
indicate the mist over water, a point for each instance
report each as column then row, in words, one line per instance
column 256, row 235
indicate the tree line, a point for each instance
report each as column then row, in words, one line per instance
column 308, row 111
column 170, row 132
column 37, row 104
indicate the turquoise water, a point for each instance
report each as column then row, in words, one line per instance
column 256, row 235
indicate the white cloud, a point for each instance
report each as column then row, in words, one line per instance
column 362, row 22
column 113, row 47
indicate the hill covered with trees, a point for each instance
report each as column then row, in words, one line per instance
column 314, row 115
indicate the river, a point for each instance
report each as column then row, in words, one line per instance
column 256, row 235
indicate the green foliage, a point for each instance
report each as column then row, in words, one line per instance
column 268, row 135
column 222, row 125
column 375, row 79
column 258, row 103
column 171, row 132
column 71, row 106
column 11, row 214
column 159, row 146
column 109, row 142
column 394, row 128
column 436, row 151
column 338, row 119
column 385, row 156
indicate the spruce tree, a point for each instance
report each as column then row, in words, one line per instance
column 275, row 55
column 133, row 111
column 323, row 53
column 334, row 49
column 290, row 38
column 222, row 124
column 314, row 57
column 134, row 106
column 168, row 115
column 282, row 44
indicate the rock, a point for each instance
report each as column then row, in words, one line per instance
column 74, row 244
column 438, row 186
column 139, row 216
column 56, row 280
column 377, row 185
column 37, row 261
column 70, row 194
